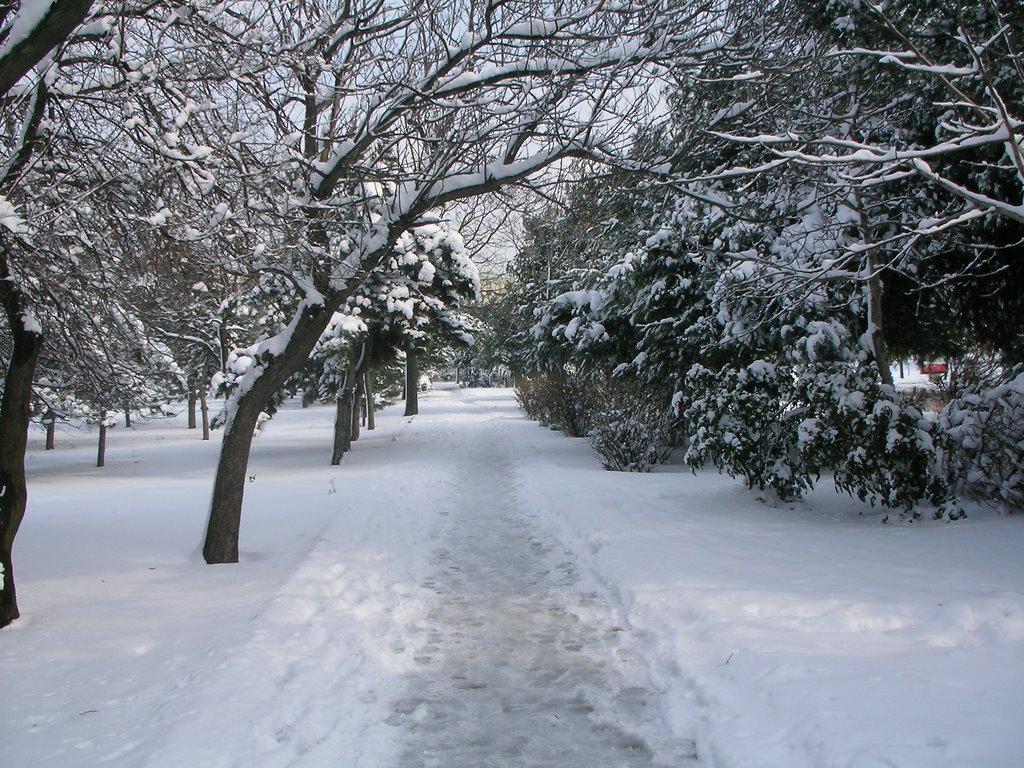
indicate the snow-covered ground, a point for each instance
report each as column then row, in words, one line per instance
column 469, row 589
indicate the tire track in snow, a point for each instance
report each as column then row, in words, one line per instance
column 517, row 667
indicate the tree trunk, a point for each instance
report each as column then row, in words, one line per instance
column 101, row 451
column 204, row 409
column 192, row 397
column 342, row 425
column 371, row 407
column 26, row 342
column 875, row 333
column 357, row 405
column 224, row 342
column 223, row 525
column 127, row 418
column 51, row 429
column 412, row 383
column 350, row 398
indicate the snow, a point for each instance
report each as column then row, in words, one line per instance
column 29, row 323
column 427, row 272
column 533, row 28
column 29, row 16
column 909, row 377
column 9, row 218
column 160, row 218
column 470, row 589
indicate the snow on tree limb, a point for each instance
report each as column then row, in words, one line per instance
column 37, row 28
column 984, row 202
column 965, row 67
column 385, row 112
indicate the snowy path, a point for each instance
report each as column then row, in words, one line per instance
column 470, row 589
column 517, row 667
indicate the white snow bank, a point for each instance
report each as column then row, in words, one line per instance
column 805, row 634
column 133, row 653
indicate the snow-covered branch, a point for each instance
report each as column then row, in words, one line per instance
column 966, row 80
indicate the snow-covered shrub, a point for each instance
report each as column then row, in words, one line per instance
column 983, row 443
column 740, row 419
column 878, row 446
column 783, row 426
column 633, row 427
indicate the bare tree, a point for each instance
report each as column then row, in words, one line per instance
column 26, row 40
column 400, row 109
column 93, row 128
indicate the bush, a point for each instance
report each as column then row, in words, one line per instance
column 633, row 427
column 983, row 443
column 781, row 427
column 878, row 445
column 741, row 421
column 531, row 398
column 559, row 399
column 629, row 425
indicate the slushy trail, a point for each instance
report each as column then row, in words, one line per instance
column 516, row 666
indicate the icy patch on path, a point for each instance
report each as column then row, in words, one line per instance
column 517, row 666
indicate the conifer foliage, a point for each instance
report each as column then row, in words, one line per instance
column 845, row 193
